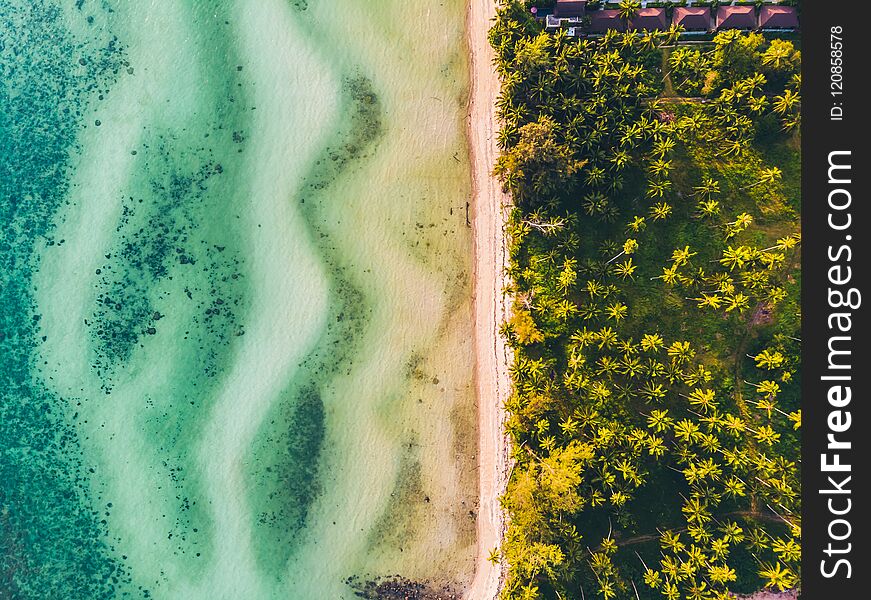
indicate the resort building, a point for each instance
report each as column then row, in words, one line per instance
column 736, row 17
column 580, row 22
column 567, row 13
column 650, row 19
column 692, row 19
column 603, row 20
column 570, row 8
column 778, row 17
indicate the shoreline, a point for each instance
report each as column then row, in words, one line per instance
column 492, row 355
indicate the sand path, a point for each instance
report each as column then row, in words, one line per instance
column 491, row 353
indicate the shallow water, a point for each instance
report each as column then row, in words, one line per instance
column 236, row 305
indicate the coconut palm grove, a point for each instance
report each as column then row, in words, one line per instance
column 655, row 267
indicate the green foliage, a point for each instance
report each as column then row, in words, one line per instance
column 538, row 165
column 655, row 264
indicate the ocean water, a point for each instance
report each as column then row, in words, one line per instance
column 235, row 298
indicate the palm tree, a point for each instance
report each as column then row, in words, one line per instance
column 630, row 36
column 735, row 257
column 663, row 146
column 711, row 301
column 766, row 435
column 652, row 342
column 629, row 247
column 607, row 337
column 625, row 269
column 681, row 256
column 653, row 391
column 693, row 121
column 741, row 222
column 778, row 54
column 696, row 511
column 660, row 210
column 708, row 188
column 769, row 359
column 767, row 175
column 735, row 488
column 732, row 147
column 739, row 302
column 785, row 243
column 672, row 35
column 657, row 189
column 757, row 104
column 787, row 102
column 545, row 225
column 680, row 352
column 709, row 208
column 595, row 176
column 669, row 276
column 704, row 399
column 735, row 425
column 788, row 550
column 795, row 417
column 620, row 160
column 648, row 41
column 637, row 224
column 660, row 168
column 616, row 311
column 792, row 123
column 680, row 58
column 595, row 203
column 777, row 577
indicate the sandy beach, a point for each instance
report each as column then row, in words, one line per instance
column 491, row 353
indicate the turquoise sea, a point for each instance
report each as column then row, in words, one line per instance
column 235, row 298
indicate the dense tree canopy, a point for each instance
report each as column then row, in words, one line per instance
column 655, row 265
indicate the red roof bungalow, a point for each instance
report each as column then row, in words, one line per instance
column 736, row 17
column 778, row 17
column 692, row 19
column 570, row 8
column 650, row 19
column 603, row 20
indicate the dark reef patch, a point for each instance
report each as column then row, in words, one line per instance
column 175, row 277
column 366, row 124
column 400, row 588
column 160, row 237
column 363, row 126
column 284, row 512
column 285, row 476
column 287, row 481
column 54, row 538
column 53, row 542
column 397, row 525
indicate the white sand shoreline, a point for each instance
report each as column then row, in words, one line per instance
column 492, row 355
